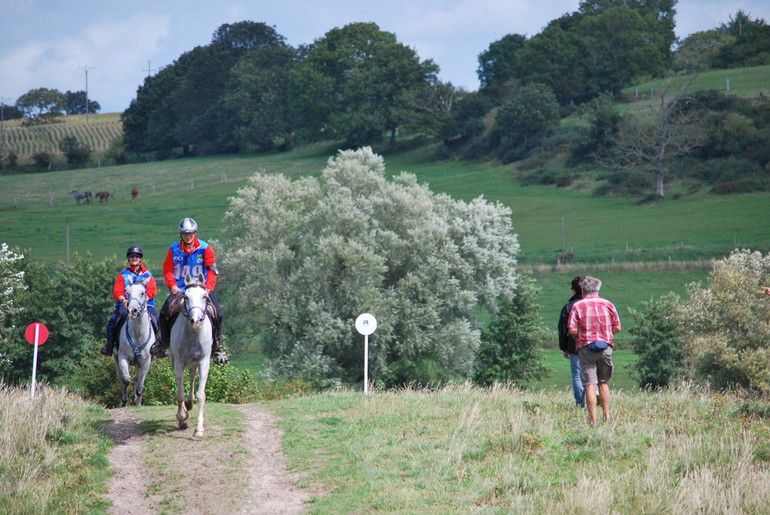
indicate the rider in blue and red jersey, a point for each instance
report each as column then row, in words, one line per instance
column 193, row 256
column 133, row 272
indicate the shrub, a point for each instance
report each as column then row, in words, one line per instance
column 657, row 341
column 742, row 186
column 725, row 324
column 97, row 380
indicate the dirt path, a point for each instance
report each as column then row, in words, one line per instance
column 137, row 489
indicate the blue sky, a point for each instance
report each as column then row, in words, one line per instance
column 53, row 43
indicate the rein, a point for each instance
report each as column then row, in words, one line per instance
column 142, row 309
column 138, row 349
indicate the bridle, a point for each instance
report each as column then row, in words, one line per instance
column 142, row 308
column 188, row 310
column 142, row 305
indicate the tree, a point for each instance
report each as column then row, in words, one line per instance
column 750, row 46
column 75, row 315
column 726, row 327
column 75, row 103
column 77, row 153
column 258, row 97
column 184, row 104
column 697, row 51
column 533, row 109
column 499, row 63
column 622, row 44
column 657, row 340
column 41, row 104
column 604, row 124
column 650, row 140
column 12, row 281
column 556, row 57
column 367, row 77
column 509, row 348
column 320, row 251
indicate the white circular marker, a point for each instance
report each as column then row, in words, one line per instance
column 366, row 324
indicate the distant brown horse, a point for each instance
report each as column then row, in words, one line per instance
column 103, row 196
column 134, row 194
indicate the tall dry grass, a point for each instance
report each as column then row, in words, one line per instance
column 502, row 450
column 51, row 451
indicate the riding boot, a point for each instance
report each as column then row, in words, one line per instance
column 217, row 348
column 158, row 349
column 107, row 349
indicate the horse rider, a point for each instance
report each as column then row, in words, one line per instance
column 133, row 272
column 193, row 256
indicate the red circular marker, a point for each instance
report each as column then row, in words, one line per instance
column 42, row 333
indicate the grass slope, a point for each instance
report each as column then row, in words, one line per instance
column 608, row 236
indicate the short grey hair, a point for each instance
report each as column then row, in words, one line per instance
column 591, row 284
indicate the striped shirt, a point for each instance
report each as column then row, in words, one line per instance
column 594, row 318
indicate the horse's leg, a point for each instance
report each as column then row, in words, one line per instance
column 144, row 367
column 193, row 371
column 181, row 410
column 124, row 378
column 204, row 375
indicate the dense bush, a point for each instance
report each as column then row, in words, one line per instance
column 657, row 340
column 726, row 324
column 625, row 183
column 509, row 348
column 98, row 381
column 321, row 251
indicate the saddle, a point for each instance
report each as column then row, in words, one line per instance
column 121, row 322
column 177, row 306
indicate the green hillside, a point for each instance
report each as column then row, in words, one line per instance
column 640, row 251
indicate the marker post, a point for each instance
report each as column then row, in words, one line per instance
column 36, row 334
column 366, row 324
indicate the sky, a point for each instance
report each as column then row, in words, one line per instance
column 110, row 47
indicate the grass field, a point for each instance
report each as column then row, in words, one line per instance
column 639, row 251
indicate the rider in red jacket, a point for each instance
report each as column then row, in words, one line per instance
column 193, row 256
column 134, row 271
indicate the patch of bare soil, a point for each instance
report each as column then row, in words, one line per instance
column 204, row 480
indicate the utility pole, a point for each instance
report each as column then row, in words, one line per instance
column 86, row 68
column 149, row 69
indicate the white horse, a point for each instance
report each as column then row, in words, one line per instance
column 136, row 338
column 191, row 340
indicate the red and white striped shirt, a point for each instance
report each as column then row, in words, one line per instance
column 593, row 317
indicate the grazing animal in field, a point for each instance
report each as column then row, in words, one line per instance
column 103, row 196
column 81, row 195
column 136, row 339
column 134, row 194
column 191, row 340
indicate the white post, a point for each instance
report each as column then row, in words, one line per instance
column 366, row 324
column 366, row 363
column 34, row 359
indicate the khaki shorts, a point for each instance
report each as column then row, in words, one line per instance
column 595, row 367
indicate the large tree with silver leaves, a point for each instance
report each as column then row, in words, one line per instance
column 312, row 254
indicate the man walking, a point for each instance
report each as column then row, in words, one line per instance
column 567, row 343
column 594, row 321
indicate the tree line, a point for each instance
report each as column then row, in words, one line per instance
column 45, row 105
column 358, row 85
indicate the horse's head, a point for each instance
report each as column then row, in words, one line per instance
column 195, row 300
column 136, row 293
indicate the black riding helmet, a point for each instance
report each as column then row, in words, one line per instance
column 134, row 249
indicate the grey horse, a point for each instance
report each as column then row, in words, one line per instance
column 136, row 339
column 191, row 339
